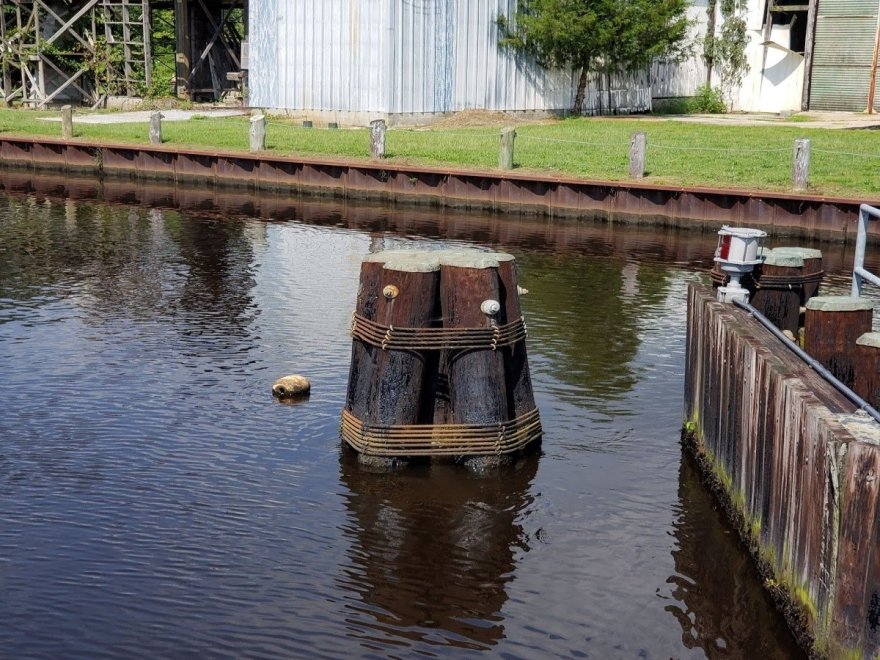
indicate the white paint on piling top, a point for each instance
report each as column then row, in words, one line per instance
column 839, row 304
column 426, row 261
column 783, row 260
column 871, row 339
column 804, row 253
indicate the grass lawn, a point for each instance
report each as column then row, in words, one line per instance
column 843, row 162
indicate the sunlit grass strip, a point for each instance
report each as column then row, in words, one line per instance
column 687, row 154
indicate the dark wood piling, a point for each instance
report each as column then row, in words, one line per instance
column 832, row 327
column 439, row 365
column 477, row 392
column 779, row 290
column 386, row 387
column 867, row 377
column 812, row 273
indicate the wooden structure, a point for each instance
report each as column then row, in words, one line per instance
column 439, row 365
column 795, row 471
column 209, row 37
column 52, row 50
column 57, row 51
column 780, row 289
column 832, row 327
column 867, row 380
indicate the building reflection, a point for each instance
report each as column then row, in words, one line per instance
column 431, row 552
column 716, row 591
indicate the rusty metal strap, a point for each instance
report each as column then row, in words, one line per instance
column 389, row 337
column 441, row 439
column 788, row 281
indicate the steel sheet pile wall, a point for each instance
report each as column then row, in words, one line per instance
column 395, row 57
column 773, row 433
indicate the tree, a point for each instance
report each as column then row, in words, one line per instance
column 601, row 36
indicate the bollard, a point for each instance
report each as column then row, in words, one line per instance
column 505, row 149
column 867, row 380
column 801, row 166
column 66, row 122
column 833, row 326
column 812, row 274
column 377, row 139
column 439, row 364
column 779, row 289
column 258, row 133
column 156, row 128
column 637, row 152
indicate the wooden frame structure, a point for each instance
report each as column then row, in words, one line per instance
column 209, row 47
column 57, row 51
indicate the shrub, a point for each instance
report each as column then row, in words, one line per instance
column 707, row 100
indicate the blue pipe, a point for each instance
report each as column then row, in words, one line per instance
column 811, row 362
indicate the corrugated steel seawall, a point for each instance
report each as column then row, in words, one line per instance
column 782, row 214
column 797, row 476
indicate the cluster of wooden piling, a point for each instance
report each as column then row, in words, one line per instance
column 835, row 330
column 439, row 364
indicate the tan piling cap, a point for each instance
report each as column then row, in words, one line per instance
column 784, row 260
column 804, row 253
column 839, row 304
column 425, row 261
column 871, row 339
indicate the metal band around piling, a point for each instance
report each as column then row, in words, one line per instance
column 788, row 281
column 441, row 439
column 389, row 337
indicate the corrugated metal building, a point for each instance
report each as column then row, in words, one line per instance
column 843, row 49
column 359, row 59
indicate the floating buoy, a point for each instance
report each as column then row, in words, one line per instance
column 290, row 386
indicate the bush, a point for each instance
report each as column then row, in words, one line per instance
column 707, row 100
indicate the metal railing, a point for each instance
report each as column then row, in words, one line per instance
column 860, row 275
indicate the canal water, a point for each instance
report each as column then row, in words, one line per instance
column 156, row 501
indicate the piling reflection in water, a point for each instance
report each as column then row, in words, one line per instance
column 432, row 550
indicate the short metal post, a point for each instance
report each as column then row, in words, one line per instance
column 861, row 244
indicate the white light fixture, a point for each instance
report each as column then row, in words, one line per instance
column 737, row 254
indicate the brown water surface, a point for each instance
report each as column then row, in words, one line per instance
column 156, row 501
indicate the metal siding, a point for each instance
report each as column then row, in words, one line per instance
column 404, row 56
column 842, row 53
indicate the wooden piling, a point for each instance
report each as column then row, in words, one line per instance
column 156, row 127
column 258, row 133
column 801, row 165
column 812, row 272
column 386, row 387
column 867, row 376
column 505, row 148
column 637, row 153
column 832, row 327
column 66, row 122
column 521, row 398
column 477, row 391
column 778, row 293
column 439, row 365
column 377, row 139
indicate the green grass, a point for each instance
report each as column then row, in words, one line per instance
column 844, row 162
